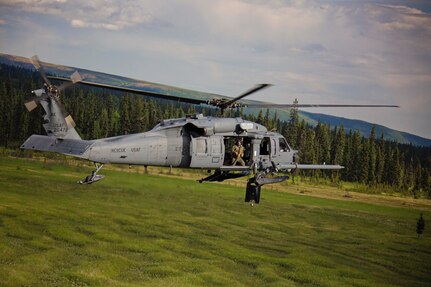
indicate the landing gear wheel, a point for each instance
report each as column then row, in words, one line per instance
column 249, row 193
column 252, row 193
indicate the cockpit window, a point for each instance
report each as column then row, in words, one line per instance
column 284, row 147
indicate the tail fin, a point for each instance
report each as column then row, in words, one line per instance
column 55, row 123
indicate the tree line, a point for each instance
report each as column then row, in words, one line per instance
column 371, row 160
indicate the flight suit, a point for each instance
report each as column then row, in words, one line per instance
column 237, row 154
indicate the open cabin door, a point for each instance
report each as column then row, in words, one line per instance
column 207, row 152
column 266, row 152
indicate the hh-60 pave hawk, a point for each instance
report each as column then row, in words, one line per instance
column 231, row 147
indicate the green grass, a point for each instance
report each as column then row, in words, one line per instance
column 144, row 230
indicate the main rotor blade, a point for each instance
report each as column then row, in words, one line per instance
column 249, row 92
column 37, row 64
column 136, row 91
column 317, row 106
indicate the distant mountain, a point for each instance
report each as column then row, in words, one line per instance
column 365, row 129
column 311, row 118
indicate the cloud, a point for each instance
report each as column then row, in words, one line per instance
column 397, row 17
column 99, row 14
column 2, row 21
column 83, row 24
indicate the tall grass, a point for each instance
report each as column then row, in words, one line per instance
column 134, row 229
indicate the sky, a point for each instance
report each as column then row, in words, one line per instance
column 333, row 52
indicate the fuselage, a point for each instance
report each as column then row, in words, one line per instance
column 196, row 142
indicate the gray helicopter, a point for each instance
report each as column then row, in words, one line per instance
column 227, row 147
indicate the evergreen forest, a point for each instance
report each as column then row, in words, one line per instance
column 370, row 161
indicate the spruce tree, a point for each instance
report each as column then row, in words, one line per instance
column 356, row 156
column 388, row 176
column 104, row 123
column 426, row 182
column 364, row 161
column 301, row 141
column 138, row 115
column 293, row 125
column 339, row 144
column 420, row 225
column 96, row 131
column 347, row 173
column 266, row 120
column 397, row 168
column 323, row 146
column 260, row 117
column 111, row 110
column 380, row 160
column 372, row 156
column 125, row 123
column 3, row 106
column 307, row 154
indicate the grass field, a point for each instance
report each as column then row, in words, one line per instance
column 146, row 230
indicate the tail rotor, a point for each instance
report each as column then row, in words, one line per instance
column 57, row 120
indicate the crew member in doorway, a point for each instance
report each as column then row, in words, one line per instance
column 238, row 153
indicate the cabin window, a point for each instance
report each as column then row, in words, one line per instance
column 283, row 145
column 201, row 146
column 216, row 147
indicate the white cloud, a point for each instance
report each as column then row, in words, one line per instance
column 110, row 15
column 397, row 17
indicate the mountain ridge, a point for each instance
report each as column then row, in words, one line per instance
column 364, row 127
